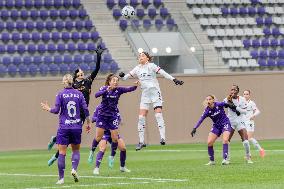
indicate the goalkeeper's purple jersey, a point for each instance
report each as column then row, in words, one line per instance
column 69, row 102
column 217, row 114
column 108, row 107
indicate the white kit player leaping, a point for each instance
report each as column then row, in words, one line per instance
column 151, row 94
column 237, row 118
column 252, row 112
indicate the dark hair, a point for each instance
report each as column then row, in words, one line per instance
column 109, row 77
column 234, row 85
column 75, row 74
column 148, row 56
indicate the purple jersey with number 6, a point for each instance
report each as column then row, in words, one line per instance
column 69, row 102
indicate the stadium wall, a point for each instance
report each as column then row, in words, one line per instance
column 25, row 126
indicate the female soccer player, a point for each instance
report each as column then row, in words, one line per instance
column 151, row 94
column 221, row 125
column 108, row 113
column 252, row 112
column 84, row 85
column 69, row 102
column 238, row 119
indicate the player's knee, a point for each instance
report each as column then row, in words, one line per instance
column 210, row 143
column 102, row 148
column 225, row 141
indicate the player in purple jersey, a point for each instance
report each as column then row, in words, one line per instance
column 84, row 85
column 108, row 113
column 69, row 102
column 221, row 125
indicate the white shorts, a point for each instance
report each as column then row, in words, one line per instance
column 238, row 125
column 250, row 126
column 151, row 97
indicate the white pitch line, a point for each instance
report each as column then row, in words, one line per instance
column 100, row 177
column 188, row 150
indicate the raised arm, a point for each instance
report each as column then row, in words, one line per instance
column 201, row 119
column 157, row 69
column 55, row 109
column 99, row 52
column 127, row 89
column 102, row 91
column 124, row 76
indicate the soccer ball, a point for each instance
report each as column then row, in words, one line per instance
column 128, row 12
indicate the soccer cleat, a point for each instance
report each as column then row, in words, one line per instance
column 96, row 171
column 61, row 181
column 91, row 157
column 163, row 142
column 262, row 152
column 110, row 161
column 51, row 142
column 225, row 162
column 249, row 161
column 52, row 160
column 140, row 146
column 210, row 163
column 124, row 169
column 75, row 175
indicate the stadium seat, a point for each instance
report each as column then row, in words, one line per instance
column 123, row 24
column 110, row 3
column 134, row 3
column 53, row 69
column 145, row 3
column 12, row 70
column 43, row 69
column 23, row 70
column 122, row 3
column 64, row 68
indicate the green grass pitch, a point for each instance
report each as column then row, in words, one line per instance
column 171, row 166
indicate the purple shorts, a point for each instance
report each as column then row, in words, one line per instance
column 68, row 136
column 218, row 130
column 108, row 138
column 111, row 124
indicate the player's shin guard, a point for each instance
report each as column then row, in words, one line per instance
column 57, row 154
column 75, row 159
column 161, row 125
column 94, row 144
column 141, row 128
column 114, row 146
column 61, row 165
column 100, row 156
column 247, row 148
column 255, row 143
column 225, row 151
column 211, row 153
column 113, row 152
column 122, row 158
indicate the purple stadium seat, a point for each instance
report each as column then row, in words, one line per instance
column 34, row 14
column 261, row 62
column 38, row 4
column 135, row 23
column 268, row 21
column 53, row 69
column 19, row 4
column 255, row 43
column 140, row 13
column 147, row 23
column 63, row 13
column 71, row 47
column 275, row 32
column 114, row 67
column 40, row 25
column 84, row 67
column 123, row 24
column 259, row 21
column 2, row 26
column 265, row 42
column 274, row 42
column 159, row 23
column 266, row 31
column 73, row 67
column 48, row 3
column 31, row 48
column 78, row 59
column 58, row 59
column 37, row 60
column 263, row 54
column 11, row 48
column 91, row 47
column 67, row 59
column 75, row 36
column 36, row 36
column 26, row 36
column 51, row 48
column 58, row 3
column 171, row 23
column 30, row 25
column 282, row 42
column 225, row 11
column 273, row 54
column 261, row 10
column 152, row 12
column 280, row 62
column 43, row 69
column 145, row 3
column 12, row 70
column 271, row 62
column 45, row 36
column 6, row 60
column 79, row 25
column 16, row 37
column 107, row 58
column 76, row 3
column 2, row 48
column 17, row 60
column 251, row 10
column 29, row 4
column 53, row 14
column 110, row 3
column 234, row 11
column 41, row 48
column 3, row 70
column 281, row 53
column 15, row 14
column 88, row 58
column 73, row 13
column 116, row 13
column 27, row 60
column 5, row 37
column 255, row 1
column 254, row 54
column 82, row 13
column 67, row 3
column 243, row 10
column 95, row 35
column 64, row 68
column 23, row 70
column 5, row 14
column 21, row 49
column 134, row 3
column 65, row 36
column 164, row 12
column 48, row 60
column 20, row 25
column 9, row 4
column 157, row 3
column 88, row 25
column 43, row 14
column 10, row 25
column 81, row 46
column 122, row 3
column 49, row 25
column 55, row 36
column 69, row 25
column 85, row 36
column 104, row 67
column 59, row 25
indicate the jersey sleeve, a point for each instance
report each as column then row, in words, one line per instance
column 255, row 109
column 127, row 89
column 132, row 73
column 157, row 69
column 204, row 115
column 102, row 91
column 56, row 108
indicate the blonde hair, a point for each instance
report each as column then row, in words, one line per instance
column 205, row 101
column 67, row 80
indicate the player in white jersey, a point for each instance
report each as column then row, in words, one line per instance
column 151, row 94
column 237, row 118
column 252, row 112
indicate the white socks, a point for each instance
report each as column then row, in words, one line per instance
column 255, row 143
column 161, row 125
column 141, row 128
